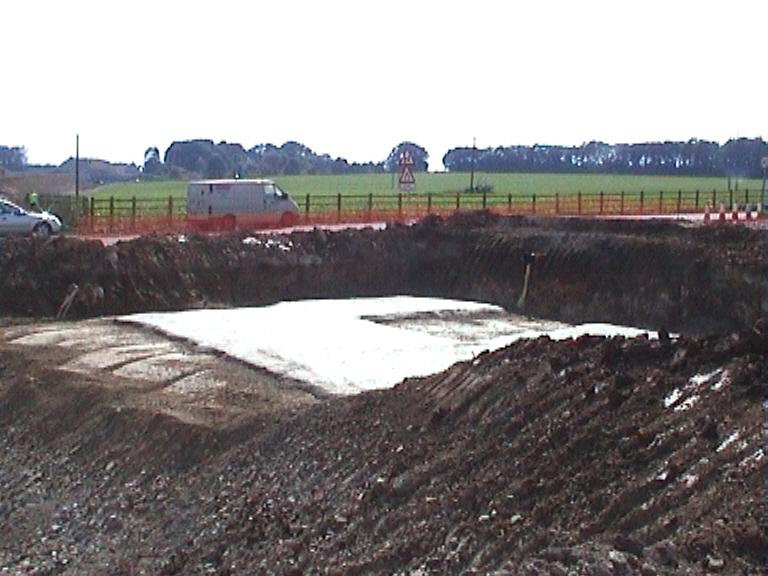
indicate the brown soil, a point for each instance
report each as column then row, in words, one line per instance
column 593, row 456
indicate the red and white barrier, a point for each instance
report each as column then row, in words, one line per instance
column 732, row 216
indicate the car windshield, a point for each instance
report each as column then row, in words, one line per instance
column 8, row 208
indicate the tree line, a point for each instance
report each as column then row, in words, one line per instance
column 227, row 160
column 13, row 157
column 739, row 158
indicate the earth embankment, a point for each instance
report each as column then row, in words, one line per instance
column 649, row 275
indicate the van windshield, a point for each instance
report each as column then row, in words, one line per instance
column 273, row 190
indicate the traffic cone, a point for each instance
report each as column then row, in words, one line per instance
column 721, row 217
column 735, row 213
column 706, row 214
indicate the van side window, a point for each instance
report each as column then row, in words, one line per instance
column 269, row 189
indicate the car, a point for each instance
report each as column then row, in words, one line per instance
column 15, row 221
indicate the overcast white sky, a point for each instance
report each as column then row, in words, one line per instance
column 355, row 78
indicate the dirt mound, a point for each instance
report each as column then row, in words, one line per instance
column 607, row 456
column 590, row 456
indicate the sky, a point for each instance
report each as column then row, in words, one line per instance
column 352, row 79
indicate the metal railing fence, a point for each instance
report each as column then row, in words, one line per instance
column 112, row 215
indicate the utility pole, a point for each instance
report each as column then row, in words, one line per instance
column 472, row 168
column 77, row 167
column 77, row 175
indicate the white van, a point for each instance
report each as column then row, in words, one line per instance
column 239, row 204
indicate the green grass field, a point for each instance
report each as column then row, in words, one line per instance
column 450, row 183
column 515, row 193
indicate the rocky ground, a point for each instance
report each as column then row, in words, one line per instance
column 591, row 456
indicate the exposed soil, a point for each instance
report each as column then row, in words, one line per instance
column 592, row 456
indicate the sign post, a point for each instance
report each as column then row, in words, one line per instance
column 407, row 181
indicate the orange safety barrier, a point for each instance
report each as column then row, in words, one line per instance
column 112, row 218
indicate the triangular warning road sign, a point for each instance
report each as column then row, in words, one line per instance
column 406, row 176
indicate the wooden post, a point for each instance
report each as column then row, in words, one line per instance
column 533, row 203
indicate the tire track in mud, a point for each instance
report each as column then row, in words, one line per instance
column 144, row 370
column 640, row 473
